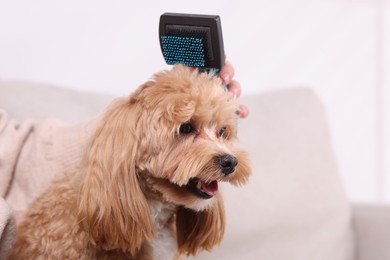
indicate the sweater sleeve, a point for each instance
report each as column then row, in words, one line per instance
column 7, row 229
column 33, row 153
column 13, row 136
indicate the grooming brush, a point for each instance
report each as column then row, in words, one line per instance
column 192, row 40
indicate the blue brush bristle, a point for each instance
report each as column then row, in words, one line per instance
column 192, row 40
column 188, row 51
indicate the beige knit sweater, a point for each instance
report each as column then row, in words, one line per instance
column 31, row 154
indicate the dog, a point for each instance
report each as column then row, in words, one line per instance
column 147, row 186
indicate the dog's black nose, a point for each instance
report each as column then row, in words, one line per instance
column 227, row 163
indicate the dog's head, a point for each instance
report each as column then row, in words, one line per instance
column 175, row 135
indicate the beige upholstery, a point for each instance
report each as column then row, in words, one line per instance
column 294, row 206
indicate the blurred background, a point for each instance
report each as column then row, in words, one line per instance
column 339, row 48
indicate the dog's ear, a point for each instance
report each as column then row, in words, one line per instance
column 200, row 230
column 112, row 207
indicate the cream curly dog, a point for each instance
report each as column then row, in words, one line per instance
column 147, row 186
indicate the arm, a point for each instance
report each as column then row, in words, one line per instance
column 12, row 138
column 32, row 153
column 7, row 229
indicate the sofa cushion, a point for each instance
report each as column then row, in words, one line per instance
column 23, row 100
column 294, row 206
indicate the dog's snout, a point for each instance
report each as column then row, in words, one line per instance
column 227, row 163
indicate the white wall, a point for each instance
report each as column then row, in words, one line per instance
column 384, row 56
column 339, row 48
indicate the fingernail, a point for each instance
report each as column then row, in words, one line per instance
column 226, row 78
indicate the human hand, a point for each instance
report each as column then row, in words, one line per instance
column 233, row 86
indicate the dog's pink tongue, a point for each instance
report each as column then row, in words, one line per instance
column 210, row 188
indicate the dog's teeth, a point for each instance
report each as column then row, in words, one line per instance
column 199, row 185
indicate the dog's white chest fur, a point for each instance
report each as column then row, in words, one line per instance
column 164, row 244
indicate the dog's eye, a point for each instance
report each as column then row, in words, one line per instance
column 186, row 128
column 221, row 132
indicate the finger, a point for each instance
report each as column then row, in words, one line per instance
column 193, row 68
column 234, row 88
column 243, row 111
column 227, row 73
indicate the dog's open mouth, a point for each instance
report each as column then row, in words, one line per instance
column 202, row 189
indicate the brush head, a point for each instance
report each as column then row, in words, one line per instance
column 192, row 40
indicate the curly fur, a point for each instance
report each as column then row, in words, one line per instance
column 129, row 196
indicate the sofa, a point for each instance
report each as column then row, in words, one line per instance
column 294, row 207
